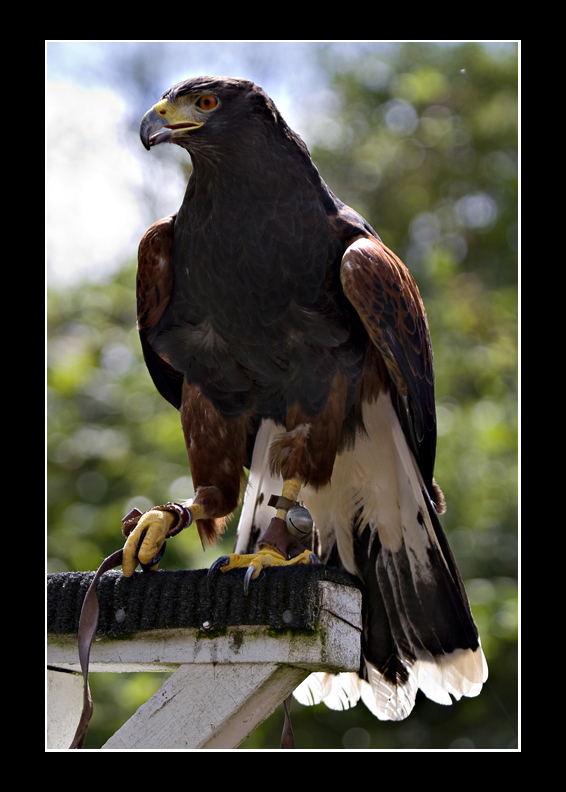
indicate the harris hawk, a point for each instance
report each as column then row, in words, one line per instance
column 294, row 343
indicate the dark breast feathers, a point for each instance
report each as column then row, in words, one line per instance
column 258, row 318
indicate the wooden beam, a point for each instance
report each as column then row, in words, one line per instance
column 224, row 684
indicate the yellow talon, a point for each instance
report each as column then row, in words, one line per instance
column 157, row 524
column 267, row 556
column 255, row 562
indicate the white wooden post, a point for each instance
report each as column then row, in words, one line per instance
column 222, row 687
column 64, row 705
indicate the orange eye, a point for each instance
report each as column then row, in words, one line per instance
column 207, row 102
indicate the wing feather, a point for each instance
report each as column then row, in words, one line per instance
column 387, row 299
column 154, row 288
column 155, row 279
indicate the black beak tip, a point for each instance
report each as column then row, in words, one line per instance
column 150, row 124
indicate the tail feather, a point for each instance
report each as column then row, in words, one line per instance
column 256, row 515
column 418, row 629
column 338, row 691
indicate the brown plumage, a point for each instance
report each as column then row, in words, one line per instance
column 294, row 342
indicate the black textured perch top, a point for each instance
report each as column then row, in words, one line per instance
column 282, row 598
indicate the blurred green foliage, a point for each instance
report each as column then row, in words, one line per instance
column 422, row 140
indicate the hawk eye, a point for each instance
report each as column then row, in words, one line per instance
column 207, row 102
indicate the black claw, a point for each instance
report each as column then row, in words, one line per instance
column 155, row 560
column 313, row 559
column 249, row 574
column 215, row 568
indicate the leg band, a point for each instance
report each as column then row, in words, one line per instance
column 291, row 489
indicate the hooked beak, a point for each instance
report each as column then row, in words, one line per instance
column 154, row 128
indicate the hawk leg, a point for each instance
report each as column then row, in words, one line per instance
column 305, row 453
column 216, row 447
column 145, row 542
column 277, row 547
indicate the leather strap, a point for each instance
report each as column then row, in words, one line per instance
column 287, row 737
column 281, row 502
column 87, row 628
column 88, row 621
column 184, row 518
column 278, row 537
